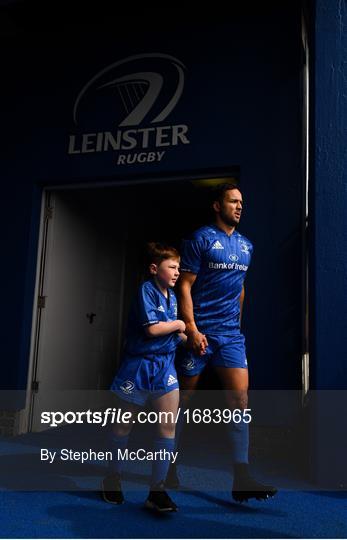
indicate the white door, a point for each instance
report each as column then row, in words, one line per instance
column 79, row 339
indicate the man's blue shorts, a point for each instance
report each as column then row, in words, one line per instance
column 222, row 351
column 145, row 377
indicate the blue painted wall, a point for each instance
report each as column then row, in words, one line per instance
column 328, row 198
column 242, row 105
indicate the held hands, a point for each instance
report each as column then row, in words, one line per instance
column 197, row 342
column 194, row 340
column 203, row 345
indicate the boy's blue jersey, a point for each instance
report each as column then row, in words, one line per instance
column 151, row 307
column 220, row 263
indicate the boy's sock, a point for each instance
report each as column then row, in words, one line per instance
column 179, row 426
column 161, row 466
column 116, row 443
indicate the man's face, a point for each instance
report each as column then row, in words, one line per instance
column 230, row 209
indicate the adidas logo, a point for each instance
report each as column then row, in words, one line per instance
column 217, row 245
column 171, row 380
column 160, row 308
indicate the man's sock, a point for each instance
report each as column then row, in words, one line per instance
column 241, row 471
column 238, row 435
column 161, row 466
column 116, row 443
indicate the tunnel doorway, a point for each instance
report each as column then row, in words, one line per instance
column 91, row 262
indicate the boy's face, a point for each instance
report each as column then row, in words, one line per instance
column 166, row 272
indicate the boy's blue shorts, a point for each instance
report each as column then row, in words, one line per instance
column 222, row 351
column 145, row 377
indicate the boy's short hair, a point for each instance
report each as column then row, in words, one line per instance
column 218, row 192
column 158, row 252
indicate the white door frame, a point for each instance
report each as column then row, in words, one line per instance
column 305, row 359
column 25, row 419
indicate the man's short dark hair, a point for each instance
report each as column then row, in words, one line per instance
column 218, row 192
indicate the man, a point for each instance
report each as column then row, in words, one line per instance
column 214, row 264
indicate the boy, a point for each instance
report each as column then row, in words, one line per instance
column 148, row 372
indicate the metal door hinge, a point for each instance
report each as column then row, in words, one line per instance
column 35, row 386
column 41, row 302
column 48, row 212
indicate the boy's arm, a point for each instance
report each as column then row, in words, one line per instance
column 147, row 302
column 163, row 328
column 183, row 337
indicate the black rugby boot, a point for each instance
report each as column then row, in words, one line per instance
column 111, row 489
column 245, row 487
column 159, row 500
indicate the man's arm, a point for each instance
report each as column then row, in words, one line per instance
column 242, row 297
column 196, row 340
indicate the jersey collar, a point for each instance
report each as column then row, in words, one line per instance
column 216, row 228
column 168, row 298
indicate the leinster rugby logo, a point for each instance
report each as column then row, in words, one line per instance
column 127, row 387
column 135, row 95
column 244, row 247
column 189, row 364
column 137, row 91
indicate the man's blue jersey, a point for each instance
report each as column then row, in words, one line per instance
column 151, row 307
column 220, row 263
